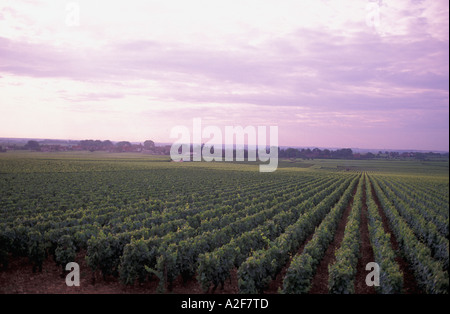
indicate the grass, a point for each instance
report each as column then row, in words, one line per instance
column 25, row 161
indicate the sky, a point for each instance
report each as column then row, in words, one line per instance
column 328, row 73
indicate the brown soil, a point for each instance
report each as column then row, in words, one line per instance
column 230, row 286
column 19, row 279
column 365, row 251
column 410, row 285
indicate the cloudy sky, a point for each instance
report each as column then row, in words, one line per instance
column 329, row 73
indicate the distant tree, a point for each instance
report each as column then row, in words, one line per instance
column 345, row 153
column 316, row 153
column 149, row 145
column 123, row 144
column 291, row 152
column 87, row 145
column 32, row 145
column 107, row 144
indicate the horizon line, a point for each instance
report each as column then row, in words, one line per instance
column 280, row 146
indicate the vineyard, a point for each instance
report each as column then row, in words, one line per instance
column 305, row 228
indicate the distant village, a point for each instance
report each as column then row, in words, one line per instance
column 149, row 147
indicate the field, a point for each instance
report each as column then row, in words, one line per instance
column 142, row 224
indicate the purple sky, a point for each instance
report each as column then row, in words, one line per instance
column 351, row 73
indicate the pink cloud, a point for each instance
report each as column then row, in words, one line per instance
column 327, row 82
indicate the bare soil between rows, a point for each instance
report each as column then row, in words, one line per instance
column 19, row 278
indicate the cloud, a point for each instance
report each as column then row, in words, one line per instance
column 270, row 58
column 90, row 96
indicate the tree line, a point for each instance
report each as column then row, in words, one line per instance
column 283, row 153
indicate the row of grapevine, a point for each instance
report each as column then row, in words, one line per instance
column 47, row 228
column 257, row 271
column 136, row 219
column 51, row 195
column 428, row 272
column 422, row 228
column 416, row 202
column 391, row 278
column 231, row 220
column 214, row 267
column 343, row 271
column 303, row 266
column 180, row 257
column 147, row 207
column 434, row 194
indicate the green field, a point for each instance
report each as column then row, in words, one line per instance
column 144, row 218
